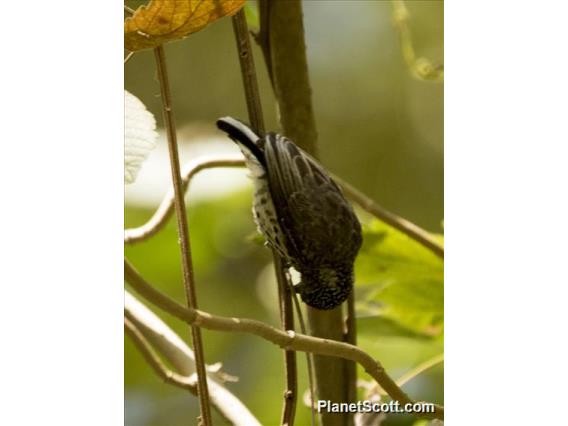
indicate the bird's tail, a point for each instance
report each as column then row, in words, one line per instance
column 242, row 134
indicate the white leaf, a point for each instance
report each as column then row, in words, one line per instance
column 139, row 135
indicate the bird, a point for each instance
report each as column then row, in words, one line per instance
column 302, row 214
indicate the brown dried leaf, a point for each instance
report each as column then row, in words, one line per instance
column 166, row 20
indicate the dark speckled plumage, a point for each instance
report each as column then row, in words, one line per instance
column 315, row 228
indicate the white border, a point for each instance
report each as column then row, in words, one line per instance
column 506, row 210
column 61, row 174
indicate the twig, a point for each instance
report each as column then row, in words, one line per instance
column 256, row 119
column 406, row 377
column 287, row 323
column 174, row 350
column 183, row 233
column 248, row 72
column 309, row 360
column 405, row 226
column 420, row 68
column 351, row 338
column 159, row 335
column 154, row 361
column 286, row 340
column 127, row 57
column 409, row 375
column 166, row 208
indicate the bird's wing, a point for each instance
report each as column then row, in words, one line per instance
column 320, row 225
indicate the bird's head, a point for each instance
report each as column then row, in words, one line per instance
column 326, row 288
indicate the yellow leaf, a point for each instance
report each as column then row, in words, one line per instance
column 165, row 20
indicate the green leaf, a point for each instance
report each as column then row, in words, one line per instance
column 400, row 279
column 139, row 135
column 379, row 326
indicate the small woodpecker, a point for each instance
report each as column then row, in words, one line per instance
column 302, row 214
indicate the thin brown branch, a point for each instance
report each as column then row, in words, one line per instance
column 309, row 360
column 256, row 119
column 166, row 208
column 248, row 72
column 419, row 369
column 167, row 343
column 410, row 229
column 420, row 68
column 154, row 360
column 183, row 232
column 127, row 57
column 173, row 349
column 351, row 338
column 288, row 340
column 287, row 323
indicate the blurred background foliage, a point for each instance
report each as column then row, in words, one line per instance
column 379, row 129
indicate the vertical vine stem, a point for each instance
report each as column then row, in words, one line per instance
column 309, row 361
column 281, row 37
column 351, row 338
column 183, row 232
column 248, row 71
column 287, row 321
column 254, row 108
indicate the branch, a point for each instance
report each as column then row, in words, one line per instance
column 256, row 119
column 419, row 369
column 287, row 323
column 309, row 362
column 127, row 57
column 170, row 345
column 164, row 339
column 248, row 72
column 281, row 35
column 405, row 226
column 351, row 338
column 154, row 361
column 159, row 335
column 375, row 389
column 420, row 68
column 183, row 233
column 166, row 208
column 288, row 340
